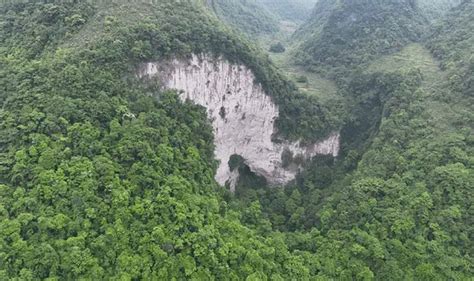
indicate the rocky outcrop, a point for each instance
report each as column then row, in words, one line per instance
column 242, row 115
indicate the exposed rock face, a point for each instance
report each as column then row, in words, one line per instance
column 242, row 115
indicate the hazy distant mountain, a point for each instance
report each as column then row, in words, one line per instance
column 293, row 10
column 349, row 32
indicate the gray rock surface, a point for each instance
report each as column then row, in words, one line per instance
column 242, row 114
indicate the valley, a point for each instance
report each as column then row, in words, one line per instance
column 237, row 140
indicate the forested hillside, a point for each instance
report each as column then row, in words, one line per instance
column 436, row 9
column 452, row 43
column 104, row 175
column 347, row 33
column 104, row 178
column 397, row 204
column 245, row 15
column 292, row 10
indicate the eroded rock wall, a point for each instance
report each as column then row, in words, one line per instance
column 242, row 114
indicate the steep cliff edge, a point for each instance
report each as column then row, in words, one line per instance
column 242, row 114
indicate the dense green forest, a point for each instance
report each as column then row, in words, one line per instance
column 292, row 10
column 397, row 204
column 435, row 9
column 344, row 34
column 246, row 15
column 103, row 176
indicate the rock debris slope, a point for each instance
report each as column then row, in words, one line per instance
column 242, row 114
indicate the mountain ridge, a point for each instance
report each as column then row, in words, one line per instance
column 108, row 174
column 351, row 32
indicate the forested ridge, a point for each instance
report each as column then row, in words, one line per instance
column 436, row 9
column 103, row 176
column 292, row 10
column 344, row 34
column 397, row 204
column 246, row 15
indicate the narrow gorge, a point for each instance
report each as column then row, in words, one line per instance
column 242, row 114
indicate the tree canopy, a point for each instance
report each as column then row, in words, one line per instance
column 103, row 176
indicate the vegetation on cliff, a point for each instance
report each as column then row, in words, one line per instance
column 105, row 177
column 344, row 34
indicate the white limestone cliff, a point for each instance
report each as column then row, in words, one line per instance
column 242, row 114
